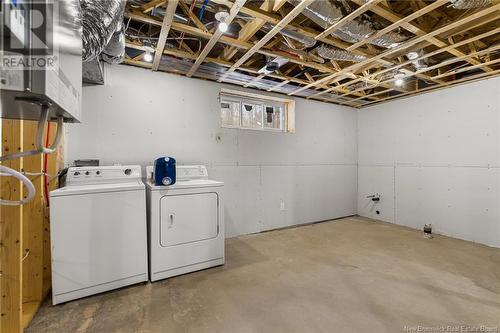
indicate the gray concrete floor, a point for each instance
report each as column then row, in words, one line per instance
column 348, row 275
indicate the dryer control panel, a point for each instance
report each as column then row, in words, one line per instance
column 189, row 172
column 103, row 174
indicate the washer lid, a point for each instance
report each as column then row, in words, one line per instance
column 193, row 183
column 97, row 188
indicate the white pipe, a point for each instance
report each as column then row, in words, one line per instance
column 4, row 171
column 40, row 149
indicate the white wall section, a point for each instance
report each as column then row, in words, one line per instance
column 435, row 158
column 272, row 179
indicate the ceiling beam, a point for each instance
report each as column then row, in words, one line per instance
column 403, row 46
column 398, row 23
column 437, row 86
column 427, row 55
column 387, row 14
column 181, row 27
column 251, row 28
column 147, row 7
column 348, row 18
column 439, row 65
column 215, row 37
column 276, row 29
column 165, row 28
column 192, row 16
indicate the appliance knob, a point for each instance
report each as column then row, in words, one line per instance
column 128, row 171
column 87, row 173
column 98, row 172
column 76, row 173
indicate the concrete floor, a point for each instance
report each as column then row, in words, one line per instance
column 348, row 275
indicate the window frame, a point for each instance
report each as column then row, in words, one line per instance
column 287, row 112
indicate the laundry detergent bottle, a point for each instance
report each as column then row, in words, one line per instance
column 164, row 171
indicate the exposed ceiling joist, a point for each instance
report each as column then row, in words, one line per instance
column 165, row 28
column 385, row 13
column 346, row 19
column 216, row 36
column 277, row 28
column 445, row 38
column 398, row 23
column 404, row 46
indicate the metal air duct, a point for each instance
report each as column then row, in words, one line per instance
column 335, row 53
column 100, row 21
column 469, row 4
column 325, row 13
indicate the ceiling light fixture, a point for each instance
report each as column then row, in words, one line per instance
column 223, row 26
column 412, row 55
column 222, row 16
column 399, row 79
column 148, row 57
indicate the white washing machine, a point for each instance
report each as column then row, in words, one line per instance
column 98, row 231
column 186, row 223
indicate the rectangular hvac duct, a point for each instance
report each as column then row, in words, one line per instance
column 40, row 59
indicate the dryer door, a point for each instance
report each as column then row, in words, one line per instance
column 188, row 218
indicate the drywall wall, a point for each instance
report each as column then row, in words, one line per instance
column 435, row 158
column 272, row 179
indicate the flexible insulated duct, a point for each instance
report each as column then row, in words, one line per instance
column 325, row 13
column 100, row 21
column 306, row 41
column 114, row 52
column 468, row 4
column 335, row 53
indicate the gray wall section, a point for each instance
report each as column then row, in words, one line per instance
column 272, row 179
column 435, row 158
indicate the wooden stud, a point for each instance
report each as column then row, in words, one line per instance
column 11, row 232
column 165, row 28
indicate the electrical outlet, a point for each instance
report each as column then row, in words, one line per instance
column 282, row 205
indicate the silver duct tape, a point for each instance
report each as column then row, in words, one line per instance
column 334, row 53
column 100, row 20
column 468, row 4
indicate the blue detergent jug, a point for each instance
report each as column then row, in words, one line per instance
column 164, row 170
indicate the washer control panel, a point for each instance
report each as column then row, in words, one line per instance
column 103, row 174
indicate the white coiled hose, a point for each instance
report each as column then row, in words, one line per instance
column 5, row 171
column 40, row 149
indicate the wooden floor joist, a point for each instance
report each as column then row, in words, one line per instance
column 404, row 46
column 165, row 28
column 441, row 34
column 215, row 37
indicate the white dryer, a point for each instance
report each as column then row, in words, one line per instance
column 186, row 223
column 98, row 231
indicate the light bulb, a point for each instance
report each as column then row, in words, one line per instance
column 399, row 82
column 148, row 57
column 223, row 26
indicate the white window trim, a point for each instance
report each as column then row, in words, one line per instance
column 288, row 114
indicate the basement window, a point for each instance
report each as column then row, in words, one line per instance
column 256, row 112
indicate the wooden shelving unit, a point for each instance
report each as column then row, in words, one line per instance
column 24, row 230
